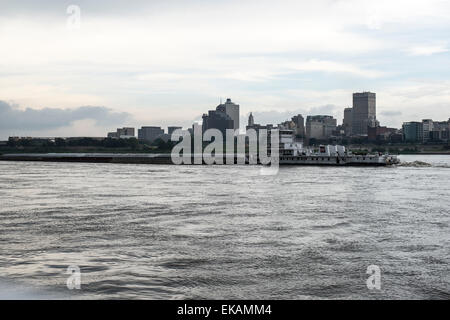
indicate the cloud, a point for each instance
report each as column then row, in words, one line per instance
column 391, row 113
column 168, row 61
column 337, row 67
column 427, row 50
column 14, row 118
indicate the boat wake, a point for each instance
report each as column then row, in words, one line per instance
column 417, row 164
column 421, row 164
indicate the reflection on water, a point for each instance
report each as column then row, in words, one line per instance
column 151, row 231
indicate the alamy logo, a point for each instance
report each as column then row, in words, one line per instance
column 74, row 19
column 253, row 147
column 374, row 281
column 74, row 280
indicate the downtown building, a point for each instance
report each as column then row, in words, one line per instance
column 255, row 126
column 435, row 131
column 258, row 127
column 412, row 131
column 427, row 131
column 122, row 133
column 217, row 120
column 232, row 110
column 363, row 113
column 382, row 133
column 226, row 116
column 172, row 129
column 296, row 125
column 153, row 133
column 440, row 131
column 347, row 121
column 299, row 126
column 320, row 127
column 150, row 133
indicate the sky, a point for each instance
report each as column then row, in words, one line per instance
column 165, row 63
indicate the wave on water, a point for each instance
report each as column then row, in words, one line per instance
column 421, row 164
column 415, row 164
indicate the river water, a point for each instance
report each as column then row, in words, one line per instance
column 225, row 232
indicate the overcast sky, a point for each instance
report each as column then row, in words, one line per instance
column 167, row 62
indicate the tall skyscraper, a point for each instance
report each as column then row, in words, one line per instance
column 364, row 112
column 348, row 119
column 232, row 110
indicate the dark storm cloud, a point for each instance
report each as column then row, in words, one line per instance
column 11, row 117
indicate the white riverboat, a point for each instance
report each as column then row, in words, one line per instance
column 294, row 153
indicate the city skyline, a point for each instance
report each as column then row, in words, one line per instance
column 183, row 58
column 227, row 116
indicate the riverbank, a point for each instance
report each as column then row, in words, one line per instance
column 395, row 149
column 91, row 158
